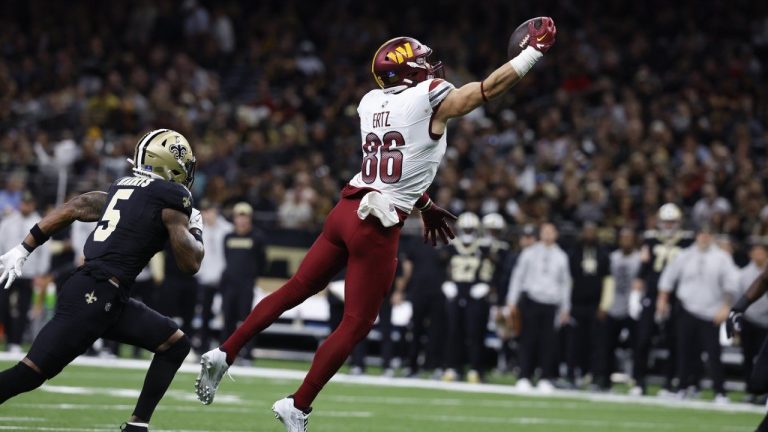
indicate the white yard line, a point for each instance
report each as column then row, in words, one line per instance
column 257, row 372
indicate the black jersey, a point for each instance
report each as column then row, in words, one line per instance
column 470, row 263
column 658, row 251
column 131, row 230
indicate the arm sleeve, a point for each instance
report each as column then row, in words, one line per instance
column 671, row 273
column 438, row 90
column 261, row 254
column 516, row 281
column 565, row 303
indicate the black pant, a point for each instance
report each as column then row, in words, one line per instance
column 428, row 322
column 694, row 335
column 752, row 337
column 645, row 332
column 205, row 295
column 580, row 343
column 177, row 298
column 90, row 307
column 236, row 304
column 467, row 322
column 537, row 338
column 14, row 309
column 607, row 333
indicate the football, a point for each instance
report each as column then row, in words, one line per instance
column 520, row 39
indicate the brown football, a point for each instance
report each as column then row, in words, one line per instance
column 520, row 39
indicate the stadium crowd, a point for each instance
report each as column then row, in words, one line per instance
column 622, row 117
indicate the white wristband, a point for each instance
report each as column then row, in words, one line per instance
column 525, row 60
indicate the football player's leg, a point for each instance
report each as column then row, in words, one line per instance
column 370, row 274
column 81, row 317
column 645, row 327
column 143, row 327
column 477, row 322
column 323, row 261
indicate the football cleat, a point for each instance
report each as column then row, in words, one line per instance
column 523, row 384
column 134, row 427
column 473, row 377
column 294, row 419
column 213, row 367
column 545, row 386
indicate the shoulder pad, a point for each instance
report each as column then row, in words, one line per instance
column 174, row 195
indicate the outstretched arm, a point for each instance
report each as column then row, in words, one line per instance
column 85, row 208
column 186, row 242
column 461, row 101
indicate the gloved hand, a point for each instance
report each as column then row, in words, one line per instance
column 435, row 223
column 733, row 323
column 196, row 220
column 542, row 38
column 635, row 304
column 11, row 263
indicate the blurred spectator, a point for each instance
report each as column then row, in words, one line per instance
column 15, row 302
column 754, row 327
column 540, row 293
column 707, row 281
column 613, row 316
column 245, row 260
column 209, row 276
column 589, row 264
column 423, row 274
column 295, row 211
column 709, row 206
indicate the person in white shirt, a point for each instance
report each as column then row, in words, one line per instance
column 754, row 326
column 209, row 276
column 15, row 302
column 706, row 280
column 540, row 294
column 613, row 313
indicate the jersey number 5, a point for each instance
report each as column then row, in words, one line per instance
column 111, row 216
column 390, row 167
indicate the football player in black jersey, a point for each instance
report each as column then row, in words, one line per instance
column 660, row 246
column 136, row 217
column 466, row 289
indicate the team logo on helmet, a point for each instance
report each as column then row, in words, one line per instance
column 177, row 150
column 401, row 53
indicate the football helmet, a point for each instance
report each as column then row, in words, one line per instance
column 669, row 218
column 468, row 224
column 493, row 221
column 165, row 154
column 402, row 61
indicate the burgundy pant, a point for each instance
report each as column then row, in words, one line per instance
column 369, row 252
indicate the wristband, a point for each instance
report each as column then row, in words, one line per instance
column 38, row 234
column 425, row 206
column 27, row 247
column 423, row 202
column 197, row 234
column 742, row 304
column 525, row 60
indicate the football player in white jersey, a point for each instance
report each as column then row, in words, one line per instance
column 403, row 140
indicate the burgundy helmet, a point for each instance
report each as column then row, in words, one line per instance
column 403, row 61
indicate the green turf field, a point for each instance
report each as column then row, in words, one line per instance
column 87, row 398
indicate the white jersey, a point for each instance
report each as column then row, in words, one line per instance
column 400, row 153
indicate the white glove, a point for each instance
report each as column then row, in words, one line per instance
column 635, row 304
column 196, row 220
column 11, row 263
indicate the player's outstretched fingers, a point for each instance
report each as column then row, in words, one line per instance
column 443, row 237
column 448, row 230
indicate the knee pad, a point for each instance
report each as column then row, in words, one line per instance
column 177, row 352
